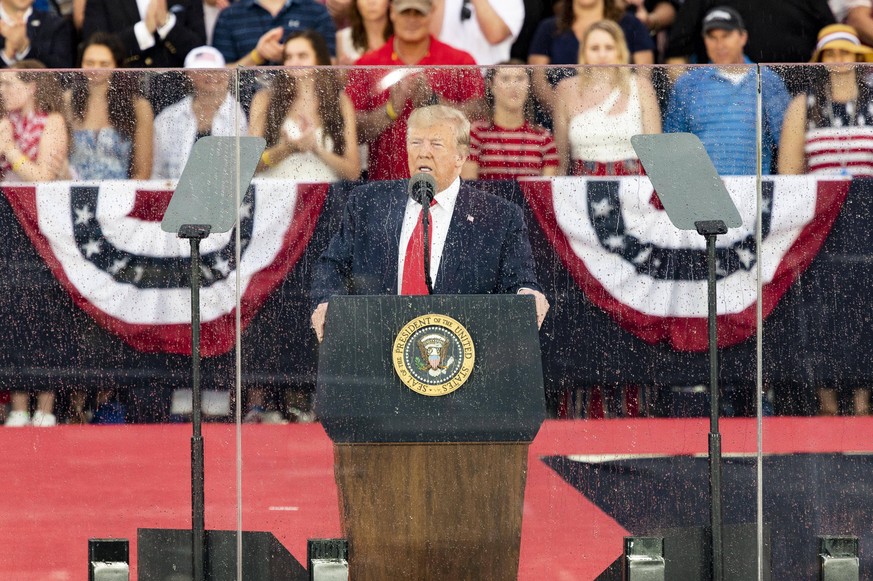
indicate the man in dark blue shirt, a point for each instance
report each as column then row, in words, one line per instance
column 251, row 32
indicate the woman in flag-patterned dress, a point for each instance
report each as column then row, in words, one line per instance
column 829, row 131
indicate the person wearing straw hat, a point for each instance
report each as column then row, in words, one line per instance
column 829, row 130
column 822, row 126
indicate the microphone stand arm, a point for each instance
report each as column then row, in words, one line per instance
column 425, row 223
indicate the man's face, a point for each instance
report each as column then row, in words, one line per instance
column 433, row 149
column 725, row 47
column 206, row 82
column 410, row 25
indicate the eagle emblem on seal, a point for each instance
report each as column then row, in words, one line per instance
column 434, row 348
column 433, row 354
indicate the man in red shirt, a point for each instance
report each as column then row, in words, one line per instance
column 384, row 98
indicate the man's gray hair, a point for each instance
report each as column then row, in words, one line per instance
column 433, row 114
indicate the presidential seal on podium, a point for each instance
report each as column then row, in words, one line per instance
column 433, row 355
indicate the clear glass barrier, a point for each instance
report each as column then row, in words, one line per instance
column 624, row 357
column 97, row 309
column 98, row 313
column 815, row 357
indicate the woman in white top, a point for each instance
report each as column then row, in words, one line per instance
column 368, row 29
column 598, row 110
column 308, row 122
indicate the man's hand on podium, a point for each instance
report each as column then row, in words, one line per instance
column 541, row 302
column 318, row 316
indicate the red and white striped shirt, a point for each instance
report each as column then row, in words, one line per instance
column 840, row 150
column 840, row 139
column 505, row 154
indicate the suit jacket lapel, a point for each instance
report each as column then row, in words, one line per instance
column 396, row 211
column 453, row 250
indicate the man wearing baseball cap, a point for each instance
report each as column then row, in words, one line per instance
column 719, row 103
column 210, row 110
column 780, row 31
column 385, row 99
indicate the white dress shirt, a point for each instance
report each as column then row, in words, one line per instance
column 143, row 38
column 440, row 218
column 466, row 34
column 176, row 131
column 841, row 8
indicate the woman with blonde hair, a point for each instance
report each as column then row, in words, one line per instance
column 598, row 110
column 557, row 41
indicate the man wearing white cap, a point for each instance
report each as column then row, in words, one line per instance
column 209, row 110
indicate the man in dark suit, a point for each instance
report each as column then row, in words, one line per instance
column 155, row 34
column 26, row 33
column 479, row 242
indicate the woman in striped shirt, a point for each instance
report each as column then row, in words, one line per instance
column 829, row 129
column 508, row 144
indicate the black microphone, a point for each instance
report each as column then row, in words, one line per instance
column 422, row 189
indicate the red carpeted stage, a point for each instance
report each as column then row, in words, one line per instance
column 67, row 484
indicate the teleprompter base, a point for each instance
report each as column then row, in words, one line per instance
column 165, row 555
column 687, row 553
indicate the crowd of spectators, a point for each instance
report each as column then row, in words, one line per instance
column 122, row 116
column 345, row 125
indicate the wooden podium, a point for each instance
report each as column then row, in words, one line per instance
column 431, row 487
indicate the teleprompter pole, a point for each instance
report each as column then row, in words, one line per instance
column 195, row 233
column 710, row 229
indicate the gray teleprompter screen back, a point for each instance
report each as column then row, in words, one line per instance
column 206, row 190
column 685, row 179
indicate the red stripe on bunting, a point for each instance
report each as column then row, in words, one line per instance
column 216, row 337
column 690, row 333
column 150, row 205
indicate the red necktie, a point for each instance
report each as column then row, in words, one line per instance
column 413, row 266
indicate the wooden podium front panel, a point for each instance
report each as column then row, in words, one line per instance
column 432, row 511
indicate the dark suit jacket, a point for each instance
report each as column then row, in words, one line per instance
column 119, row 16
column 486, row 251
column 51, row 40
